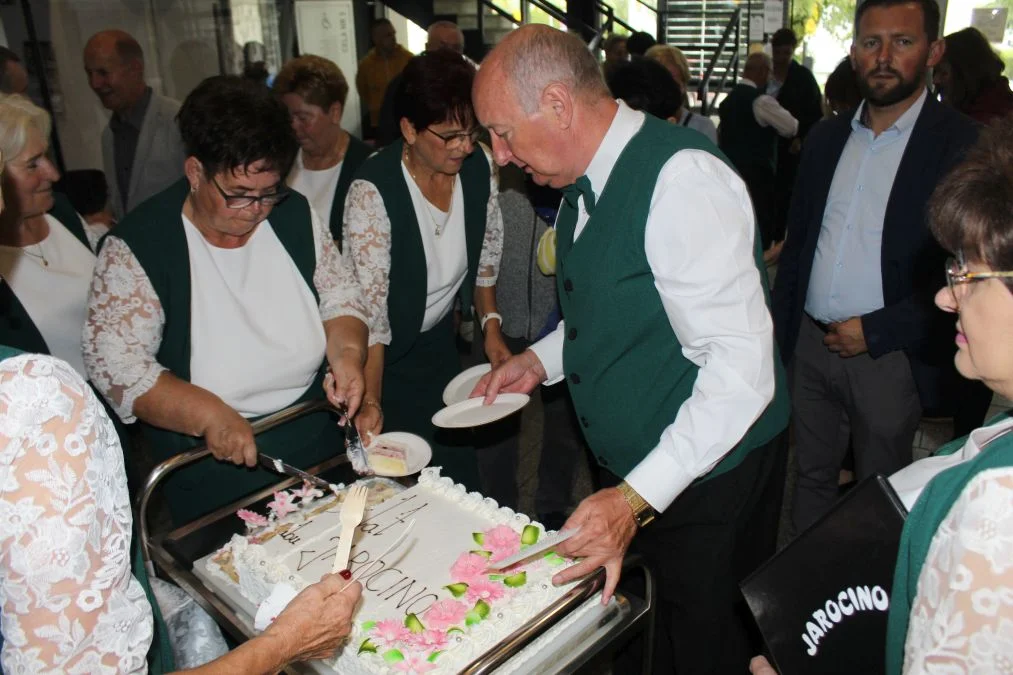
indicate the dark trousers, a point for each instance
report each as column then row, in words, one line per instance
column 713, row 536
column 873, row 403
column 759, row 180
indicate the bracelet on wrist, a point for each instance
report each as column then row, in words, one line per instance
column 491, row 315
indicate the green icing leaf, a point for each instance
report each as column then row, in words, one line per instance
column 368, row 625
column 516, row 580
column 554, row 559
column 482, row 608
column 413, row 624
column 529, row 535
column 458, row 589
column 478, row 537
column 454, row 629
column 432, row 657
column 471, row 618
column 497, row 577
column 393, row 656
column 367, row 647
column 484, row 554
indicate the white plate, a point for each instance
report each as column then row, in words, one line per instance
column 471, row 412
column 418, row 454
column 457, row 389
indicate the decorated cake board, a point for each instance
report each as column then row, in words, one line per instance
column 428, row 606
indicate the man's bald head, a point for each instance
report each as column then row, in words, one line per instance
column 534, row 56
column 114, row 62
column 757, row 68
column 445, row 35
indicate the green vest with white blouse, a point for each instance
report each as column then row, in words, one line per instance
column 928, row 513
column 155, row 234
column 622, row 360
column 16, row 327
column 406, row 295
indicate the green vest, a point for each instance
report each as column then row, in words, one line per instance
column 355, row 155
column 932, row 507
column 16, row 327
column 406, row 294
column 742, row 138
column 624, row 364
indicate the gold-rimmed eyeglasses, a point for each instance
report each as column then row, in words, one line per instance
column 243, row 201
column 957, row 275
column 458, row 139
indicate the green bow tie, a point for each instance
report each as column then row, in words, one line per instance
column 582, row 187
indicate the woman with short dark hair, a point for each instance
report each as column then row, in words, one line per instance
column 423, row 227
column 314, row 90
column 969, row 77
column 223, row 299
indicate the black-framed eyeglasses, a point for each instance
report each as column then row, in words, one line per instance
column 244, row 201
column 958, row 276
column 458, row 139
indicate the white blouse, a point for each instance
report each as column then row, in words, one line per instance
column 51, row 281
column 367, row 237
column 123, row 329
column 68, row 601
column 962, row 617
column 317, row 186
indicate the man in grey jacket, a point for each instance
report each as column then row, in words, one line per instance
column 142, row 153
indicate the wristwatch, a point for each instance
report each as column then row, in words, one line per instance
column 643, row 512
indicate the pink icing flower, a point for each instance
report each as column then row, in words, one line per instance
column 414, row 665
column 307, row 492
column 283, row 504
column 469, row 567
column 444, row 614
column 251, row 518
column 489, row 591
column 429, row 640
column 391, row 631
column 502, row 541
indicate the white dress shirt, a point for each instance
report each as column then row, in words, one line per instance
column 769, row 113
column 847, row 273
column 699, row 244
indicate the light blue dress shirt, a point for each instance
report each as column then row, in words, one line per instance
column 847, row 279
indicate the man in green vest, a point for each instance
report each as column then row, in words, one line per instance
column 666, row 345
column 751, row 122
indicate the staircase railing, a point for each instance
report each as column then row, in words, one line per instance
column 734, row 27
column 611, row 20
column 553, row 11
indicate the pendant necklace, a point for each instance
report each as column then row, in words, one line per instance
column 437, row 225
column 39, row 256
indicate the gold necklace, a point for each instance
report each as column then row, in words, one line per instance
column 41, row 255
column 437, row 226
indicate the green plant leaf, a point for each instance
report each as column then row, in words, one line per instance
column 515, row 580
column 529, row 535
column 458, row 589
column 367, row 647
column 393, row 656
column 413, row 624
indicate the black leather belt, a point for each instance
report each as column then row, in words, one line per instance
column 825, row 327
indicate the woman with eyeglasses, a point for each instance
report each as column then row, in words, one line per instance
column 224, row 299
column 951, row 601
column 423, row 227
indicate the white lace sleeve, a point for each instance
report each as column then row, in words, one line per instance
column 93, row 231
column 123, row 329
column 962, row 617
column 492, row 245
column 69, row 602
column 367, row 247
column 334, row 277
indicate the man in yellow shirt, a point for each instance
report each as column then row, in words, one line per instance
column 380, row 65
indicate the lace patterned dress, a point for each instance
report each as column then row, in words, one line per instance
column 68, row 600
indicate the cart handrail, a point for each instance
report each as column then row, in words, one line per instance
column 200, row 452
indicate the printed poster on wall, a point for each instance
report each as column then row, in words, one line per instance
column 327, row 28
column 773, row 15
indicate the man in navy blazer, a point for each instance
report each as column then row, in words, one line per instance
column 852, row 302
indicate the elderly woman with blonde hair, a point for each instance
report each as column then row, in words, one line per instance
column 47, row 251
column 675, row 62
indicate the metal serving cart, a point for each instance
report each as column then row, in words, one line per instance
column 172, row 554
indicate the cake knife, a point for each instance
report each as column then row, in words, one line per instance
column 545, row 544
column 353, row 445
column 281, row 467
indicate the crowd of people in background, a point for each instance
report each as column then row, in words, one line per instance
column 448, row 234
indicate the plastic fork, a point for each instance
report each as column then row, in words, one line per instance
column 351, row 515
